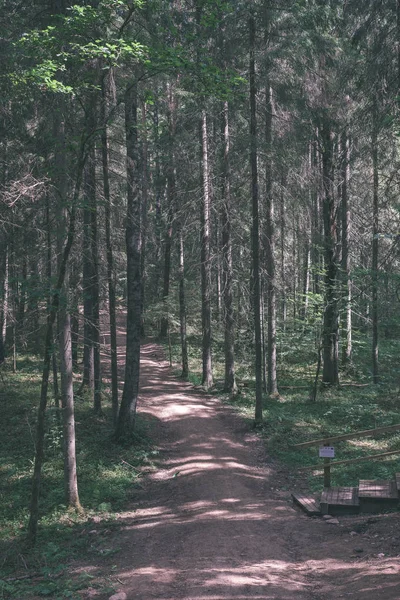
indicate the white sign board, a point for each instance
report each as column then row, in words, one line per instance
column 327, row 452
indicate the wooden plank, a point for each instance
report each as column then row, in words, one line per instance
column 378, row 495
column 307, row 503
column 340, row 500
column 350, row 461
column 348, row 436
column 378, row 489
column 347, row 496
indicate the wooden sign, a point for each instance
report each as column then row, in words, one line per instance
column 327, row 452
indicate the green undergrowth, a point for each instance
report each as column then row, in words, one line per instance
column 107, row 474
column 293, row 418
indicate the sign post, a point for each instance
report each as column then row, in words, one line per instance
column 327, row 452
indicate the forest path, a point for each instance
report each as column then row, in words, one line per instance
column 214, row 520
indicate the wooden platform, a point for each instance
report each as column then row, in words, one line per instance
column 340, row 501
column 372, row 496
column 309, row 504
column 378, row 494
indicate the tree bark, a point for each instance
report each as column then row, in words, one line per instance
column 127, row 412
column 95, row 291
column 109, row 245
column 5, row 291
column 375, row 246
column 227, row 266
column 145, row 190
column 67, row 403
column 346, row 273
column 88, row 341
column 269, row 241
column 171, row 202
column 330, row 373
column 205, row 240
column 182, row 306
column 255, row 233
column 306, row 275
column 282, row 221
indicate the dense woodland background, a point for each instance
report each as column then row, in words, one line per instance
column 226, row 171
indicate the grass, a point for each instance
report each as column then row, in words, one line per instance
column 293, row 418
column 106, row 474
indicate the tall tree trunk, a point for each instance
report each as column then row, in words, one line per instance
column 182, row 306
column 346, row 223
column 159, row 185
column 282, row 221
column 4, row 310
column 171, row 202
column 109, row 246
column 205, row 240
column 67, row 403
column 269, row 241
column 294, row 264
column 127, row 412
column 91, row 303
column 88, row 341
column 314, row 169
column 22, row 298
column 171, row 192
column 375, row 245
column 218, row 271
column 227, row 267
column 330, row 373
column 306, row 275
column 255, row 233
column 95, row 291
column 145, row 189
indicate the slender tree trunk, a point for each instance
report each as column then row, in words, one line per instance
column 218, row 272
column 375, row 247
column 4, row 312
column 67, row 403
column 167, row 253
column 109, row 246
column 346, row 223
column 145, row 189
column 227, row 266
column 294, row 263
column 171, row 201
column 255, row 233
column 95, row 288
column 269, row 240
column 205, row 240
column 306, row 276
column 330, row 373
column 159, row 193
column 33, row 305
column 282, row 220
column 314, row 168
column 49, row 277
column 127, row 412
column 22, row 298
column 182, row 306
column 88, row 342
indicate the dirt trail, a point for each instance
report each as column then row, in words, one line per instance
column 215, row 522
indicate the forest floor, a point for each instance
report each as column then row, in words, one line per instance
column 213, row 519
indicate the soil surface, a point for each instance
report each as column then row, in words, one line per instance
column 215, row 521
